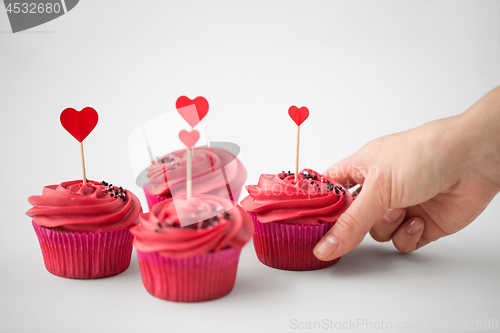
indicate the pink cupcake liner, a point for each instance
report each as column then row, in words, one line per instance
column 194, row 279
column 153, row 199
column 89, row 255
column 289, row 246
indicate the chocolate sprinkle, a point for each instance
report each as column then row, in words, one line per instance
column 114, row 192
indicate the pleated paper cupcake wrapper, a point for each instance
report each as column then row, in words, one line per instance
column 153, row 199
column 289, row 246
column 90, row 255
column 194, row 279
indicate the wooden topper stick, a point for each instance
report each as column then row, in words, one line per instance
column 189, row 184
column 189, row 140
column 297, row 155
column 298, row 116
column 83, row 164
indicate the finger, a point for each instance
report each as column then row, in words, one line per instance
column 352, row 226
column 406, row 238
column 432, row 231
column 387, row 224
column 346, row 172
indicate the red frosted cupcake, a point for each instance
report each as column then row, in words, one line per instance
column 197, row 262
column 215, row 172
column 83, row 229
column 291, row 217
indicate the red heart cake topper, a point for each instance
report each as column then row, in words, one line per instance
column 189, row 139
column 79, row 123
column 192, row 110
column 298, row 115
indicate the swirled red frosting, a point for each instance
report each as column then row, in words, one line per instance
column 83, row 208
column 312, row 199
column 214, row 224
column 213, row 170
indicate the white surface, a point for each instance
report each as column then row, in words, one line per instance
column 363, row 68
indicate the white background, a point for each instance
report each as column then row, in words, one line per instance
column 363, row 68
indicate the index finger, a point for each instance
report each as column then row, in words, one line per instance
column 347, row 172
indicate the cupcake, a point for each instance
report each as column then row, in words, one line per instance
column 215, row 172
column 290, row 217
column 188, row 251
column 83, row 229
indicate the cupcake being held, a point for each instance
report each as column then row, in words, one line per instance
column 215, row 171
column 290, row 217
column 83, row 229
column 188, row 251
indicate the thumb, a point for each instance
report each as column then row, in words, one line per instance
column 352, row 226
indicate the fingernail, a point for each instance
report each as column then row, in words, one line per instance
column 326, row 246
column 414, row 227
column 392, row 215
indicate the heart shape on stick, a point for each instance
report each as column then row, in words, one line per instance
column 79, row 123
column 298, row 115
column 192, row 110
column 189, row 139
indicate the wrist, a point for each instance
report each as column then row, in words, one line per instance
column 478, row 131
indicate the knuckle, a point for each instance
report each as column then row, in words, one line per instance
column 349, row 228
column 347, row 224
column 380, row 236
column 404, row 247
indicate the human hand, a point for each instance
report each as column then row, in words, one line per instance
column 419, row 185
